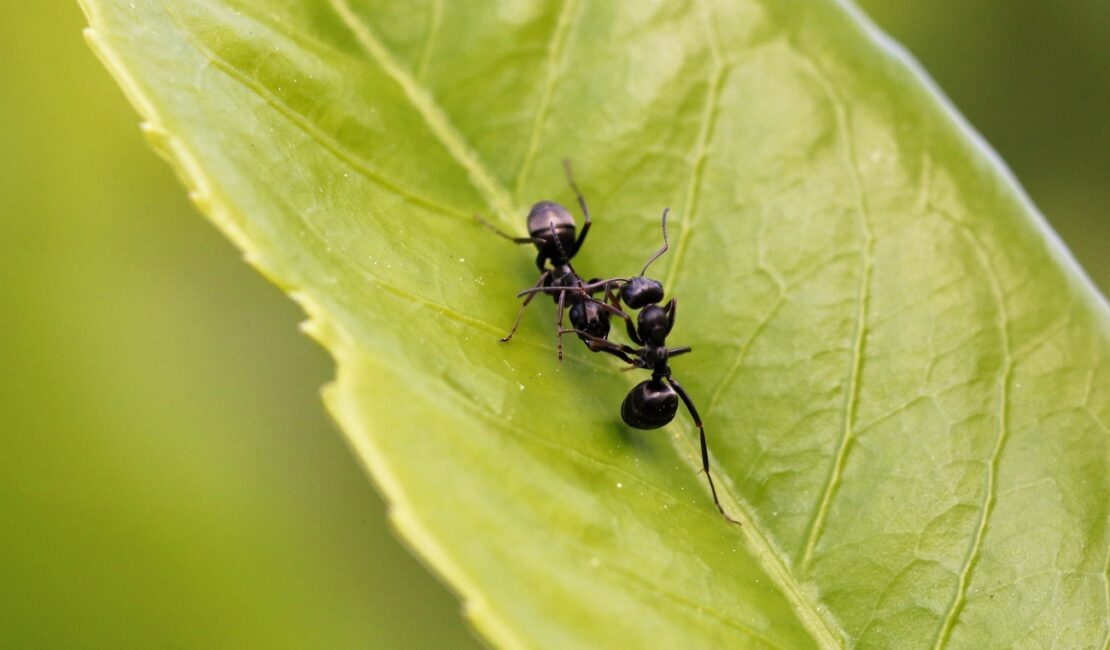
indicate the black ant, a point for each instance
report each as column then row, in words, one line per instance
column 552, row 230
column 653, row 403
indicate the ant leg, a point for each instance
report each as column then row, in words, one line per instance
column 546, row 290
column 617, row 311
column 520, row 313
column 581, row 204
column 674, row 352
column 670, row 310
column 590, row 338
column 596, row 285
column 559, row 323
column 631, row 330
column 612, row 309
column 611, row 296
column 596, row 344
column 615, row 308
column 496, row 231
column 610, row 299
column 666, row 244
column 553, row 289
column 704, row 448
column 584, row 289
column 616, row 353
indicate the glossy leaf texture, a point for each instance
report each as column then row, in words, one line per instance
column 903, row 374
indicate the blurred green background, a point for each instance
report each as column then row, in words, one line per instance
column 168, row 477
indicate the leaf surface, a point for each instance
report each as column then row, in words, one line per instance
column 903, row 374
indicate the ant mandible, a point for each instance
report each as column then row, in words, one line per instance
column 653, row 402
column 552, row 230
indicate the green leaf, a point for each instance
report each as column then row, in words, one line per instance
column 903, row 374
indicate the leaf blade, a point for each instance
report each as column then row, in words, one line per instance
column 323, row 249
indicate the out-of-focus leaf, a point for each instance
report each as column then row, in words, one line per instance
column 903, row 374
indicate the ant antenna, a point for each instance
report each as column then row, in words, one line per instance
column 666, row 244
column 559, row 245
column 558, row 242
column 570, row 177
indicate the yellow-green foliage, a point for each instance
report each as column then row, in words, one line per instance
column 903, row 374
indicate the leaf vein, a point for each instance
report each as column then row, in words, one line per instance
column 859, row 336
column 764, row 321
column 517, row 431
column 352, row 160
column 730, row 374
column 825, row 631
column 429, row 41
column 990, row 498
column 434, row 116
column 554, row 49
column 701, row 148
column 470, row 320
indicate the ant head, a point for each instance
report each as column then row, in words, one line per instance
column 588, row 317
column 650, row 405
column 653, row 325
column 640, row 291
column 546, row 216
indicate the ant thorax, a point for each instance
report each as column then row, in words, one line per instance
column 655, row 358
column 653, row 325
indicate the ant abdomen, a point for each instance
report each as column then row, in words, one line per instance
column 544, row 214
column 548, row 216
column 650, row 405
